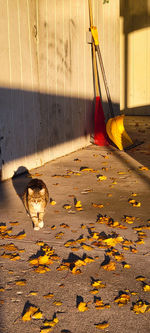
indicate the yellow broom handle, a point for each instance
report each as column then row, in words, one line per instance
column 94, row 52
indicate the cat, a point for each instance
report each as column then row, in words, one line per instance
column 35, row 199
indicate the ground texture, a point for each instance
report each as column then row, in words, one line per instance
column 88, row 269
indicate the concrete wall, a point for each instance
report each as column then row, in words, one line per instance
column 46, row 80
column 135, row 57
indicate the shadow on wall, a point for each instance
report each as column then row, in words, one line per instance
column 31, row 122
column 36, row 128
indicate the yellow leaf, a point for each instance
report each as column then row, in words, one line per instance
column 76, row 270
column 62, row 267
column 101, row 177
column 111, row 266
column 109, row 195
column 125, row 265
column 97, row 205
column 40, row 243
column 67, row 206
column 53, row 202
column 81, row 240
column 49, row 323
column 88, row 260
column 140, row 278
column 98, row 284
column 82, row 307
column 59, row 235
column 43, row 260
column 134, row 203
column 80, row 263
column 94, row 291
column 21, row 235
column 70, row 243
column 50, row 295
column 34, row 261
column 33, row 293
column 87, row 247
column 41, row 269
column 143, row 168
column 128, row 219
column 64, row 225
column 53, row 227
column 29, row 312
column 102, row 326
column 113, row 241
column 121, row 173
column 122, row 299
column 20, row 282
column 141, row 307
column 37, row 315
column 78, row 204
column 58, row 303
column 146, row 287
column 14, row 223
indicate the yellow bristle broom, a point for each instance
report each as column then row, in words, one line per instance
column 114, row 127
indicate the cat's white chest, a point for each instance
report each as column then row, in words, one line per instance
column 37, row 207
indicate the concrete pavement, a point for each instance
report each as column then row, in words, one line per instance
column 99, row 228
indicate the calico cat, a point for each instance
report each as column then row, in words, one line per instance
column 35, row 199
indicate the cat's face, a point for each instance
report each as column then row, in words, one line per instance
column 36, row 198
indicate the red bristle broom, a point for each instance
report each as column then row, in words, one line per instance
column 100, row 134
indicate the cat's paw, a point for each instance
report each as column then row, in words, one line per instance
column 36, row 228
column 41, row 224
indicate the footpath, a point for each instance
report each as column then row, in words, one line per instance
column 88, row 269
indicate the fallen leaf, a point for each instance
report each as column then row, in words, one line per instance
column 66, row 206
column 101, row 177
column 143, row 168
column 20, row 282
column 87, row 247
column 41, row 269
column 122, row 299
column 29, row 311
column 102, row 325
column 37, row 315
column 82, row 306
column 98, row 284
column 33, row 293
column 97, row 205
column 52, row 202
column 64, row 225
column 146, row 287
column 111, row 266
column 49, row 295
column 57, row 303
column 140, row 278
column 134, row 203
column 141, row 307
column 59, row 235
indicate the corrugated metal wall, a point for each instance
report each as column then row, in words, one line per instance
column 135, row 57
column 46, row 81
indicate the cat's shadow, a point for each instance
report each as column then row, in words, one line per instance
column 20, row 180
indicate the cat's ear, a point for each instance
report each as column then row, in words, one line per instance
column 30, row 191
column 42, row 192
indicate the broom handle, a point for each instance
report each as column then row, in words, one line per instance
column 93, row 52
column 105, row 81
